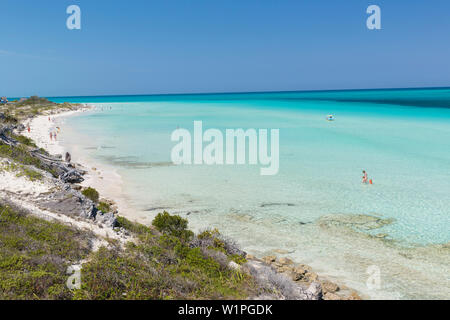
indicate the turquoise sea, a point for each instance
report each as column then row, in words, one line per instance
column 315, row 210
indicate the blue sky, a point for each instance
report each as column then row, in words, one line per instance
column 177, row 46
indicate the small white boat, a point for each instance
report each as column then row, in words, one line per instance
column 330, row 117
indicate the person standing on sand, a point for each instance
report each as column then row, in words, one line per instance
column 68, row 157
column 51, row 136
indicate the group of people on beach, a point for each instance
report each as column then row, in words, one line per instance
column 53, row 132
column 52, row 135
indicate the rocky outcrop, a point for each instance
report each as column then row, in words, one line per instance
column 64, row 199
column 4, row 130
column 329, row 286
column 296, row 281
column 108, row 219
column 281, row 286
column 69, row 202
column 72, row 176
column 358, row 222
column 65, row 171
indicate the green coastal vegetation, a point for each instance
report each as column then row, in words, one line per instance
column 16, row 111
column 21, row 156
column 119, row 259
column 94, row 196
column 11, row 115
column 91, row 194
column 35, row 254
column 21, row 170
column 162, row 261
column 161, row 264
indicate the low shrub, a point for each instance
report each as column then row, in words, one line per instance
column 35, row 100
column 134, row 227
column 196, row 259
column 238, row 259
column 24, row 140
column 114, row 274
column 212, row 239
column 21, row 155
column 173, row 225
column 31, row 174
column 208, row 234
column 35, row 254
column 21, row 171
column 91, row 194
column 104, row 207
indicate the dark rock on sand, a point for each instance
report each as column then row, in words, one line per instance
column 108, row 219
column 72, row 176
column 276, row 204
column 359, row 222
column 71, row 202
column 157, row 208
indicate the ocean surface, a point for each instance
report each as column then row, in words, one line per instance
column 315, row 210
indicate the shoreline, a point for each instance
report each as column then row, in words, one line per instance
column 26, row 194
column 99, row 176
column 109, row 183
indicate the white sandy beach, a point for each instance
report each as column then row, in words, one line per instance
column 426, row 269
column 104, row 179
column 21, row 191
column 26, row 194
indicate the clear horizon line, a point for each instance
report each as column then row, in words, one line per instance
column 244, row 92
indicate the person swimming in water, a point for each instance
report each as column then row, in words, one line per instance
column 365, row 178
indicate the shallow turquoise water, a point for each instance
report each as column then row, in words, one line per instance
column 401, row 137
